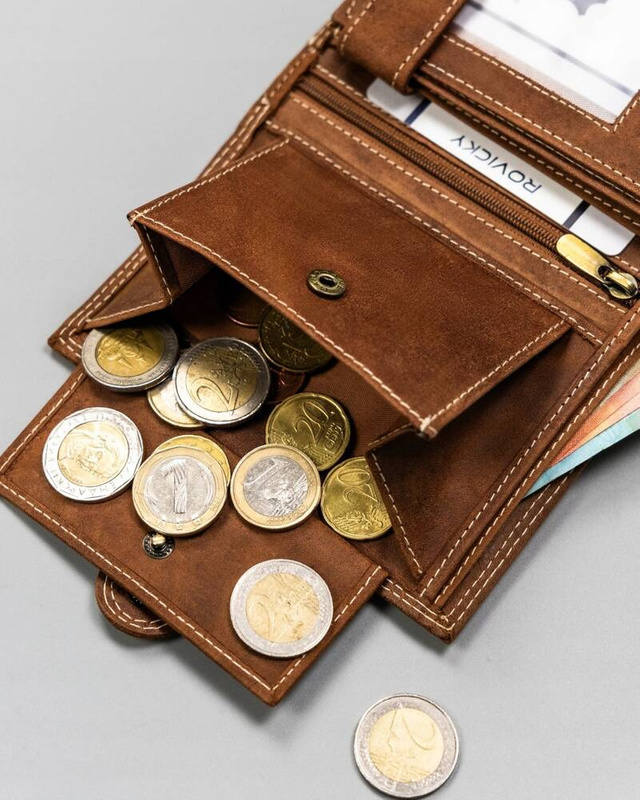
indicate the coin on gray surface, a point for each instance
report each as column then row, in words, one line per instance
column 162, row 399
column 179, row 491
column 406, row 746
column 92, row 454
column 130, row 359
column 281, row 608
column 222, row 381
column 275, row 487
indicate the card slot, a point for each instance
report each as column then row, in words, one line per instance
column 191, row 589
column 289, row 208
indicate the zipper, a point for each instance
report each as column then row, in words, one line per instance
column 580, row 256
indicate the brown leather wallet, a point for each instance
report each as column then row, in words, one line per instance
column 466, row 348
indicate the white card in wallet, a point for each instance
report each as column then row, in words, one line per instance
column 502, row 167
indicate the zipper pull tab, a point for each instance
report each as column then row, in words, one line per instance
column 620, row 285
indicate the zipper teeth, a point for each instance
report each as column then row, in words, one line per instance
column 461, row 182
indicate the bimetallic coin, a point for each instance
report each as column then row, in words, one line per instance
column 162, row 399
column 201, row 443
column 130, row 359
column 92, row 454
column 222, row 382
column 281, row 608
column 406, row 746
column 288, row 347
column 313, row 423
column 351, row 501
column 275, row 487
column 179, row 491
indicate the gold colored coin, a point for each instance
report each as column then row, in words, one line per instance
column 313, row 423
column 289, row 347
column 179, row 491
column 282, row 607
column 163, row 401
column 351, row 501
column 201, row 443
column 275, row 487
column 128, row 352
column 406, row 745
column 93, row 453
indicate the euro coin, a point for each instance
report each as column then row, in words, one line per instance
column 92, row 454
column 406, row 746
column 179, row 491
column 275, row 487
column 201, row 443
column 222, row 382
column 283, row 385
column 241, row 305
column 313, row 423
column 351, row 501
column 281, row 608
column 289, row 347
column 162, row 399
column 130, row 359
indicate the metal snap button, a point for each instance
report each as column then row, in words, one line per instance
column 326, row 283
column 157, row 545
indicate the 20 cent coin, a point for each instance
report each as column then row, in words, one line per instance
column 179, row 491
column 92, row 454
column 222, row 381
column 406, row 746
column 313, row 423
column 275, row 487
column 281, row 608
column 130, row 359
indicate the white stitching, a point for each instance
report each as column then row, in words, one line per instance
column 424, row 39
column 497, row 133
column 36, row 428
column 191, row 187
column 417, row 179
column 505, row 557
column 147, row 236
column 350, row 8
column 349, row 30
column 125, row 618
column 536, row 439
column 436, row 230
column 298, row 316
column 493, row 372
column 539, row 88
column 397, row 513
column 108, row 317
column 423, row 613
column 531, row 122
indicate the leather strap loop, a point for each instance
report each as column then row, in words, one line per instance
column 391, row 37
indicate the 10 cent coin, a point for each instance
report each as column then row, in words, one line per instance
column 222, row 381
column 130, row 359
column 179, row 491
column 313, row 423
column 406, row 746
column 275, row 487
column 351, row 501
column 92, row 454
column 281, row 608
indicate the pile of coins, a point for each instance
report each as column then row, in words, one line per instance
column 182, row 487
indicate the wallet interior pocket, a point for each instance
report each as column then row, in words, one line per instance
column 426, row 324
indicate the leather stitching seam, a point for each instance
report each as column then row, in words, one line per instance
column 423, row 41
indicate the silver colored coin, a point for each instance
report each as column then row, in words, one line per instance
column 92, row 454
column 406, row 746
column 281, row 608
column 130, row 359
column 222, row 381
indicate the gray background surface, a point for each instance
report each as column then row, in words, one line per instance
column 104, row 106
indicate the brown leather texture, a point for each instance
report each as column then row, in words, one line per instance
column 465, row 352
